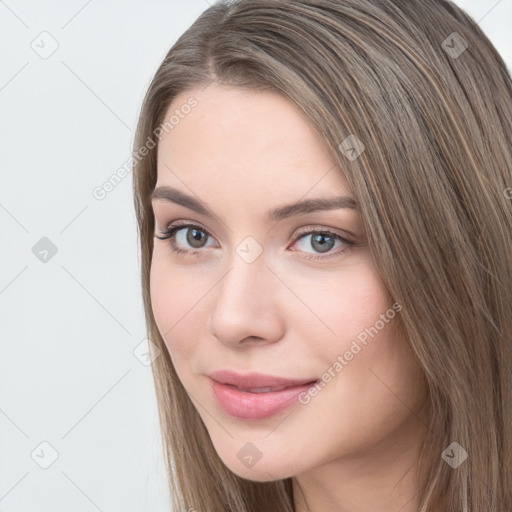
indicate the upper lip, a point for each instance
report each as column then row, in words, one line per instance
column 256, row 380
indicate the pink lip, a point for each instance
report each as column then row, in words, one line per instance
column 255, row 380
column 250, row 405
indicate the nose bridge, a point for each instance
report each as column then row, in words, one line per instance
column 246, row 282
column 243, row 304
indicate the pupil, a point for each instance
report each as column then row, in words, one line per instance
column 323, row 245
column 197, row 236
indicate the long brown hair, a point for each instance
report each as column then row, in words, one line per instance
column 421, row 86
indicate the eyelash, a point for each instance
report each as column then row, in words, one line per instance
column 169, row 232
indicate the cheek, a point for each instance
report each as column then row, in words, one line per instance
column 163, row 300
column 379, row 382
column 176, row 303
column 349, row 305
column 361, row 344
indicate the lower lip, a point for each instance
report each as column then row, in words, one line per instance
column 256, row 406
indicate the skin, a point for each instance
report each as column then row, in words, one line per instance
column 354, row 446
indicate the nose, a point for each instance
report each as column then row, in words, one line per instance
column 247, row 305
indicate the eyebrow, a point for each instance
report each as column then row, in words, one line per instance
column 276, row 214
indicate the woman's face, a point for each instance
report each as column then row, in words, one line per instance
column 257, row 293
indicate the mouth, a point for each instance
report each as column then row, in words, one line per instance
column 256, row 382
column 272, row 389
column 255, row 396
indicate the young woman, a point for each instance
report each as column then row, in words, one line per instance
column 324, row 199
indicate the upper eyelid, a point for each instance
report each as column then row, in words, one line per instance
column 344, row 233
column 188, row 224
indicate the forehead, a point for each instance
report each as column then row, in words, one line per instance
column 247, row 141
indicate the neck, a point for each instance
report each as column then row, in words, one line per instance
column 384, row 478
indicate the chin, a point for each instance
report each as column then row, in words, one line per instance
column 256, row 470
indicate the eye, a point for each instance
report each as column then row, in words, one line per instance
column 195, row 236
column 322, row 241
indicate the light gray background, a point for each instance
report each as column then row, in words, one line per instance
column 69, row 326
